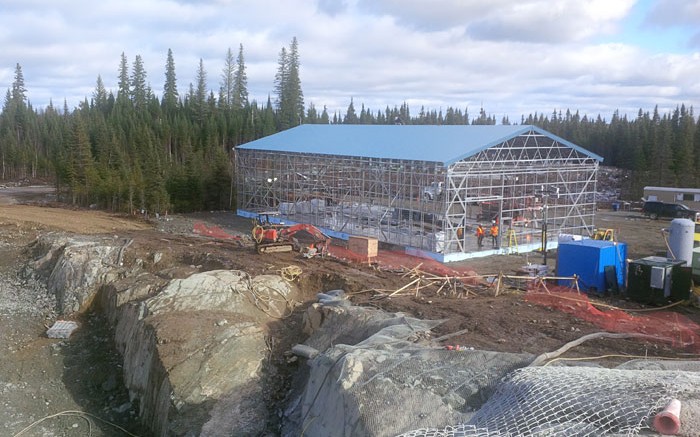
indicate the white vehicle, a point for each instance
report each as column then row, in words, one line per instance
column 433, row 191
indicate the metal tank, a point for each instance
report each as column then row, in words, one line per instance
column 680, row 240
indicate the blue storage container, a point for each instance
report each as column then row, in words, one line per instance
column 588, row 260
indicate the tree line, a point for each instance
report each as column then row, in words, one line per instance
column 131, row 150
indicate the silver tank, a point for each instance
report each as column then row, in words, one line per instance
column 680, row 240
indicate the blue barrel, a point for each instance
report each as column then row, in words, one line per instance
column 616, row 206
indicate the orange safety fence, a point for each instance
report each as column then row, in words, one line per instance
column 397, row 260
column 213, row 231
column 668, row 326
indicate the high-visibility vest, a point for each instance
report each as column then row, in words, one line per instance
column 494, row 230
column 479, row 232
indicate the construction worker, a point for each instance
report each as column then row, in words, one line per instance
column 494, row 233
column 479, row 235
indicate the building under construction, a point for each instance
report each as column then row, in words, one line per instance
column 425, row 188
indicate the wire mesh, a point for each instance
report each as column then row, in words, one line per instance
column 571, row 401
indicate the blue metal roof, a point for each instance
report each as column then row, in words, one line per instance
column 444, row 144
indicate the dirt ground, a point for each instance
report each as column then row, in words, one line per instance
column 57, row 382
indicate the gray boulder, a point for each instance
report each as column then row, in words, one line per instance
column 75, row 267
column 194, row 351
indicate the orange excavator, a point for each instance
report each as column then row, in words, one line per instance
column 305, row 238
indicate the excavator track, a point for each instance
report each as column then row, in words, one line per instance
column 275, row 247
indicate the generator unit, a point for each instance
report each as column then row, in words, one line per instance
column 598, row 264
column 658, row 280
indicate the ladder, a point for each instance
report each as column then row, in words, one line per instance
column 512, row 240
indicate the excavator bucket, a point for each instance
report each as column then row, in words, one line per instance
column 604, row 234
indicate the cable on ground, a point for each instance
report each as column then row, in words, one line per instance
column 82, row 414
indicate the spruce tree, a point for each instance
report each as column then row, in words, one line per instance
column 139, row 90
column 240, row 81
column 311, row 114
column 200, row 94
column 84, row 176
column 296, row 95
column 281, row 79
column 123, row 92
column 350, row 114
column 99, row 96
column 19, row 91
column 170, row 96
column 226, row 91
column 290, row 98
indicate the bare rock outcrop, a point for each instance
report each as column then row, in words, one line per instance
column 193, row 347
column 194, row 350
column 75, row 267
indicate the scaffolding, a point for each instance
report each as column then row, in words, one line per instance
column 534, row 186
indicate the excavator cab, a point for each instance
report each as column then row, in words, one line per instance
column 604, row 234
column 305, row 238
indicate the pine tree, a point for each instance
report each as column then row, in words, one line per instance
column 226, row 91
column 139, row 90
column 683, row 159
column 83, row 177
column 290, row 98
column 268, row 123
column 217, row 184
column 123, row 92
column 199, row 103
column 240, row 82
column 99, row 96
column 351, row 115
column 311, row 114
column 696, row 150
column 170, row 96
column 19, row 91
column 157, row 199
column 296, row 95
column 16, row 113
column 281, row 79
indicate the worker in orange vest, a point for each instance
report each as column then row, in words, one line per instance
column 494, row 233
column 480, row 235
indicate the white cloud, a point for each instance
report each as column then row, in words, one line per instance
column 674, row 14
column 525, row 20
column 514, row 58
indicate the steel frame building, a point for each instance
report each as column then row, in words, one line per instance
column 423, row 187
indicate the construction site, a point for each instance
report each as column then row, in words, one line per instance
column 212, row 324
column 425, row 188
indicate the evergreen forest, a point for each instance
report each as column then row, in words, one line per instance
column 130, row 150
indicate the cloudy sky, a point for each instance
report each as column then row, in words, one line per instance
column 511, row 57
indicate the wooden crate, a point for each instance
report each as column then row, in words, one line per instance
column 365, row 246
